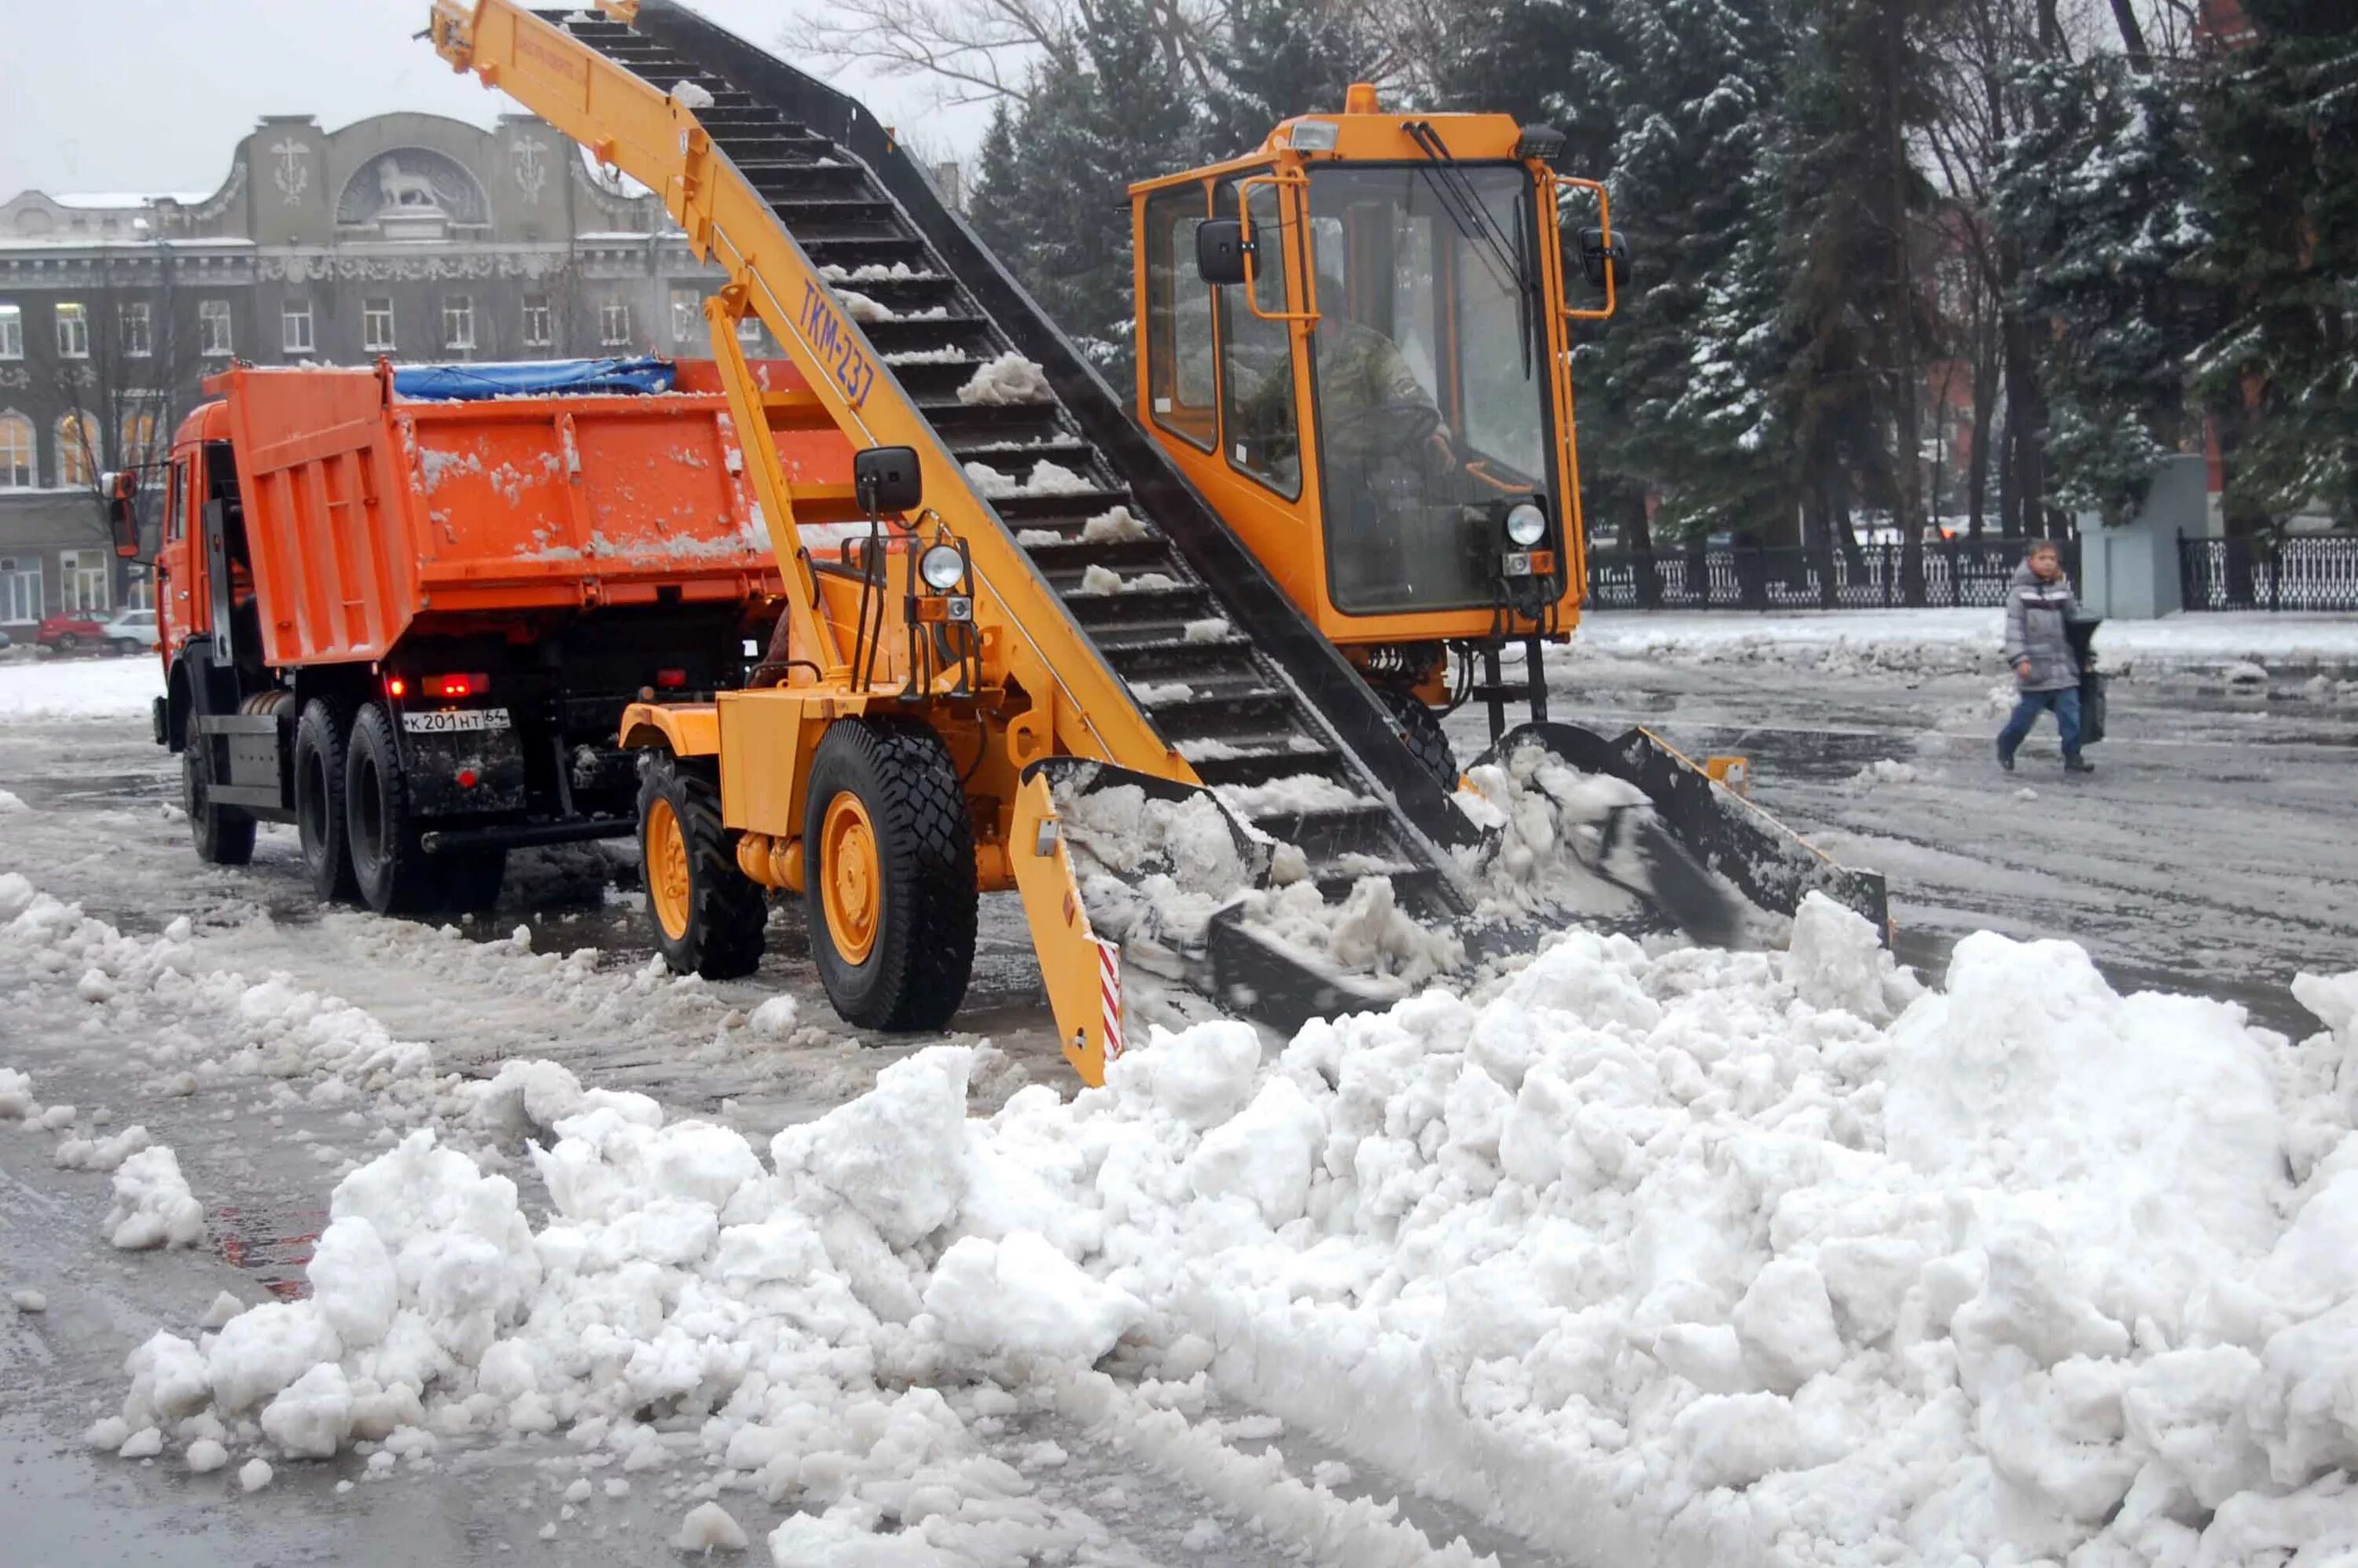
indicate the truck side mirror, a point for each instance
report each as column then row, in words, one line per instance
column 1595, row 254
column 123, row 511
column 1221, row 246
column 887, row 479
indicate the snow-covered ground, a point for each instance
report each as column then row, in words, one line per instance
column 35, row 687
column 1637, row 1254
column 1967, row 639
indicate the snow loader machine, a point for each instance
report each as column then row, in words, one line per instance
column 1350, row 487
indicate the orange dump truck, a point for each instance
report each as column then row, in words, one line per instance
column 404, row 608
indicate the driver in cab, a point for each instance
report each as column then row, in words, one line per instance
column 1367, row 391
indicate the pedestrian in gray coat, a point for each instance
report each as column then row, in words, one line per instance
column 2038, row 603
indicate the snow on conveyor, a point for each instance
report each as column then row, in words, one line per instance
column 1679, row 1257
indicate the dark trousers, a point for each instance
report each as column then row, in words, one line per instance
column 2066, row 707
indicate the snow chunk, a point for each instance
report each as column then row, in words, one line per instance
column 265, row 1348
column 1839, row 963
column 1263, row 1155
column 775, row 1018
column 1114, row 525
column 2332, row 999
column 205, row 1456
column 254, row 1474
column 1883, row 771
column 898, row 1153
column 11, row 804
column 1211, row 629
column 312, row 1417
column 353, row 1281
column 15, row 1089
column 690, row 95
column 1023, row 1297
column 709, row 1527
column 99, row 1153
column 28, row 1300
column 1786, row 1326
column 153, row 1204
column 1010, row 378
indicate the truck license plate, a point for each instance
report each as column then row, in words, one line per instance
column 450, row 719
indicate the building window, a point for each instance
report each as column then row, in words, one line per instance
column 11, row 331
column 83, row 580
column 140, row 592
column 73, row 330
column 458, row 321
column 212, row 327
column 138, row 439
column 376, row 326
column 20, row 590
column 138, row 336
column 78, row 454
column 614, row 324
column 15, row 452
column 749, row 330
column 295, row 326
column 687, row 308
column 535, row 322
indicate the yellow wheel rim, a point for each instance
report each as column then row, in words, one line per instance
column 667, row 886
column 852, row 878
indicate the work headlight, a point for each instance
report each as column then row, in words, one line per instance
column 943, row 567
column 1526, row 525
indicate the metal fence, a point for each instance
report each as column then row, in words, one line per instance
column 2264, row 573
column 1963, row 572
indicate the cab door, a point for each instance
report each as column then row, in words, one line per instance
column 182, row 599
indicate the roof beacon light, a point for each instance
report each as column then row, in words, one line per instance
column 1314, row 135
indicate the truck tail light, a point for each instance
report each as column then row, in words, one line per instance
column 671, row 678
column 450, row 686
column 394, row 685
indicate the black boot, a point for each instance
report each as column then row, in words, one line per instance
column 2004, row 757
column 2076, row 763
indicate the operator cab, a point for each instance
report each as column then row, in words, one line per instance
column 1353, row 341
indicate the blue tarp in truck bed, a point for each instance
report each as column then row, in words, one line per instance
column 532, row 378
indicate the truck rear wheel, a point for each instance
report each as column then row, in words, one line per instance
column 390, row 867
column 888, row 875
column 708, row 913
column 319, row 802
column 223, row 834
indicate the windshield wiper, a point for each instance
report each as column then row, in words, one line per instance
column 1464, row 204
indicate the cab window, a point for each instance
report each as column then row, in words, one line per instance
column 1180, row 361
column 175, row 502
column 1258, row 417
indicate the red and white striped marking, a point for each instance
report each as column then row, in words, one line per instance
column 1110, row 995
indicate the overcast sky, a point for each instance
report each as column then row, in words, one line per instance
column 153, row 95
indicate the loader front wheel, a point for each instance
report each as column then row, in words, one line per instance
column 708, row 913
column 1426, row 736
column 889, row 876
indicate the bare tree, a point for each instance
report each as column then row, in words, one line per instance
column 117, row 367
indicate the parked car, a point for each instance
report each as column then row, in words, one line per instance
column 6, row 642
column 131, row 632
column 70, row 632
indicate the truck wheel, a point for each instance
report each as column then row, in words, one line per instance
column 319, row 802
column 471, row 882
column 708, row 914
column 225, row 834
column 390, row 869
column 68, row 641
column 889, row 877
column 1426, row 736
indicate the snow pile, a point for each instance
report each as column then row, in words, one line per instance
column 153, row 1204
column 10, row 805
column 1046, row 478
column 1116, row 525
column 99, row 1153
column 78, row 689
column 1153, row 873
column 1883, row 771
column 1542, row 820
column 690, row 95
column 1010, row 378
column 16, row 1101
column 1099, row 579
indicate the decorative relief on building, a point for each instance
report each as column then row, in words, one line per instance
column 528, row 160
column 307, row 267
column 408, row 183
column 292, row 171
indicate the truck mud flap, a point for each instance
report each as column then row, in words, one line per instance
column 1711, row 826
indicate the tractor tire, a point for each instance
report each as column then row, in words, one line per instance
column 708, row 914
column 223, row 834
column 319, row 802
column 888, row 875
column 390, row 867
column 1426, row 736
column 471, row 880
